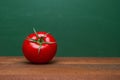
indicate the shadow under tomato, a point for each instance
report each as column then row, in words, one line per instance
column 48, row 63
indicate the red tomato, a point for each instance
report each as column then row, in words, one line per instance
column 39, row 47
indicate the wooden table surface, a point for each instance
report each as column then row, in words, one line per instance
column 61, row 68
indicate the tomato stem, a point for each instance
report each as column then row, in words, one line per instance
column 35, row 32
column 40, row 40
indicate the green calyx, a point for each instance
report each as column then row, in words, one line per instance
column 40, row 40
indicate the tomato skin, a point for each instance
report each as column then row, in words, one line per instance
column 47, row 51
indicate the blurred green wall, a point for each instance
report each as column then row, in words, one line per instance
column 81, row 27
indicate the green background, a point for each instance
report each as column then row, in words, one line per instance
column 81, row 27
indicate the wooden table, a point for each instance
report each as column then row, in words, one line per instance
column 61, row 68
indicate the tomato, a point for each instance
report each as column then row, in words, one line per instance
column 39, row 47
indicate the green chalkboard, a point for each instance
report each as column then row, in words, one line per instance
column 89, row 28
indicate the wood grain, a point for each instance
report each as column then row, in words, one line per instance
column 61, row 68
